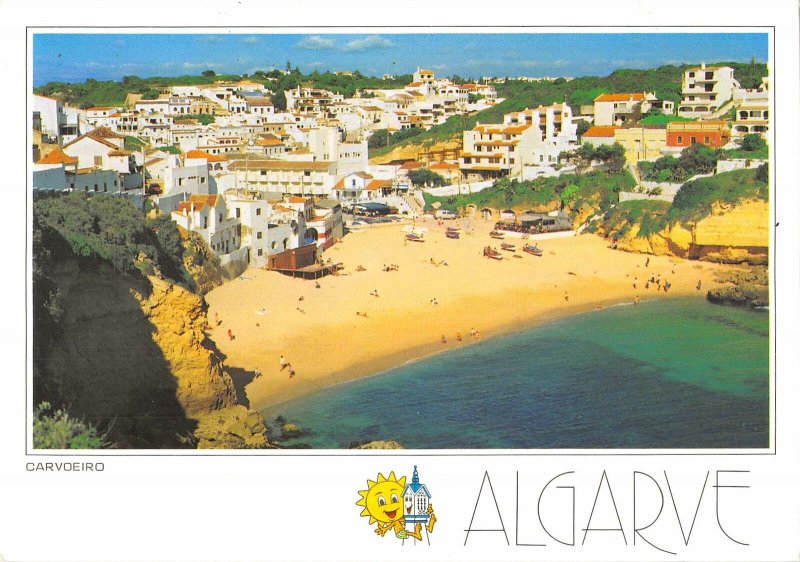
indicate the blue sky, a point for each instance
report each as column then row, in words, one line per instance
column 75, row 57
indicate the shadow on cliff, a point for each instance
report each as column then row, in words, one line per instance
column 241, row 378
column 102, row 363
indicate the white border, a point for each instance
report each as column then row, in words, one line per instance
column 301, row 508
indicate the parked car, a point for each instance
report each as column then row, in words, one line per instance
column 445, row 214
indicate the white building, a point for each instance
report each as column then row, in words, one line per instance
column 705, row 89
column 752, row 114
column 207, row 215
column 282, row 176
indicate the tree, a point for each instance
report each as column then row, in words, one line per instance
column 279, row 100
column 288, row 66
column 583, row 126
column 423, row 176
column 763, row 173
column 569, row 194
column 378, row 139
column 209, row 73
column 752, row 143
column 697, row 159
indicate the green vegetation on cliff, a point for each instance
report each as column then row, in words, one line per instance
column 697, row 159
column 695, row 199
column 694, row 202
column 57, row 430
column 596, row 189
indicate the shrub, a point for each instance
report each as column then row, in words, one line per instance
column 57, row 430
column 752, row 143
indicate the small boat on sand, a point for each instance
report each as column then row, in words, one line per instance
column 508, row 247
column 490, row 252
column 532, row 249
column 497, row 234
column 453, row 234
column 411, row 237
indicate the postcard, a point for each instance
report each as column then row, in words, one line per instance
column 300, row 288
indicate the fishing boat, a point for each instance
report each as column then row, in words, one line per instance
column 490, row 252
column 508, row 247
column 532, row 249
column 453, row 234
column 497, row 234
column 411, row 237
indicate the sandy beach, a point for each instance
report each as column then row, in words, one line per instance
column 320, row 333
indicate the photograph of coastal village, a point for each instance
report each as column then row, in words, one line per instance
column 400, row 241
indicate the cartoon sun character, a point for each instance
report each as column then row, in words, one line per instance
column 384, row 504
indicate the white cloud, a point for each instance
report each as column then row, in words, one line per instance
column 373, row 42
column 211, row 39
column 560, row 63
column 252, row 40
column 315, row 43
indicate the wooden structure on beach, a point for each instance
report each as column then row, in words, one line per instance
column 301, row 262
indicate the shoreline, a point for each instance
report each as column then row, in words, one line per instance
column 365, row 370
column 319, row 333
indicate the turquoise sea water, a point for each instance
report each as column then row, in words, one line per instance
column 677, row 373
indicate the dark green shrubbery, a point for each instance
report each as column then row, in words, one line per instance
column 57, row 430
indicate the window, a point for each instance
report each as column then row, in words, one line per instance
column 260, row 252
column 259, row 235
column 238, row 212
column 691, row 75
column 693, row 140
column 707, row 140
column 205, row 222
column 95, row 187
column 202, row 180
column 105, row 187
column 98, row 160
column 220, row 217
column 680, row 140
column 258, row 212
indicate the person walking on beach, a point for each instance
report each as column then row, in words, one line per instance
column 444, row 339
column 291, row 372
column 699, row 285
column 230, row 334
column 284, row 363
column 458, row 336
column 647, row 263
column 216, row 319
column 635, row 282
column 636, row 301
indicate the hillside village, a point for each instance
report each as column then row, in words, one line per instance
column 260, row 184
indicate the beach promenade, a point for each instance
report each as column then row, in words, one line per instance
column 441, row 287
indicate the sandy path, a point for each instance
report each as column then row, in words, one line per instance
column 326, row 342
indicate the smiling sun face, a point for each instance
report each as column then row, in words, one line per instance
column 383, row 500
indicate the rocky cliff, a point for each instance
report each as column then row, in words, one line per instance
column 132, row 357
column 414, row 151
column 730, row 234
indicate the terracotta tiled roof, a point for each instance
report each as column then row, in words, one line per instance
column 319, row 166
column 104, row 133
column 443, row 166
column 379, row 184
column 600, row 131
column 637, row 96
column 206, row 155
column 58, row 156
column 412, row 165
